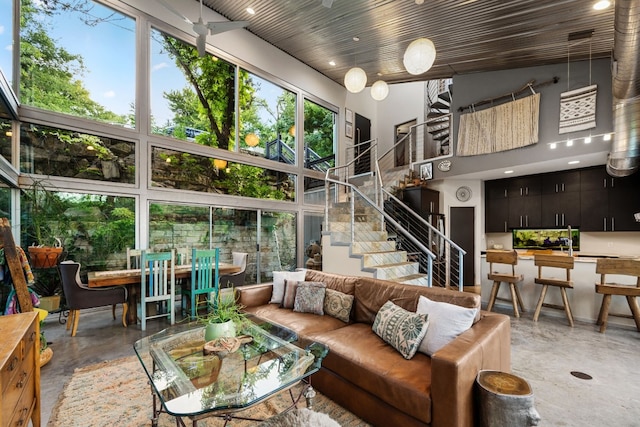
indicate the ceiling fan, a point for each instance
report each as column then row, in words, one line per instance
column 202, row 29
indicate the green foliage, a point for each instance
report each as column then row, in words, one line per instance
column 226, row 308
column 49, row 74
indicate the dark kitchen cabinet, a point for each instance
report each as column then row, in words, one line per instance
column 560, row 203
column 423, row 201
column 525, row 202
column 608, row 203
column 496, row 216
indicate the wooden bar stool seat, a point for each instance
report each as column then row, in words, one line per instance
column 556, row 262
column 508, row 258
column 625, row 267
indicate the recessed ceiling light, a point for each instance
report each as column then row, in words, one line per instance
column 569, row 142
column 574, row 162
column 332, row 63
column 508, row 172
column 587, row 140
column 607, row 137
column 356, row 38
column 602, row 4
column 250, row 11
column 553, row 145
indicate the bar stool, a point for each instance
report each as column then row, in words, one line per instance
column 509, row 258
column 626, row 267
column 557, row 262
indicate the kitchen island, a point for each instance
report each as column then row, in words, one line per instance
column 585, row 303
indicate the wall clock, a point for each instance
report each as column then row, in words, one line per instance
column 463, row 193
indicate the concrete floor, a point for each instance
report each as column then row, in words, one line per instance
column 544, row 353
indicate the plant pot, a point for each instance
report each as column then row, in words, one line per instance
column 217, row 330
column 44, row 256
column 50, row 303
column 45, row 356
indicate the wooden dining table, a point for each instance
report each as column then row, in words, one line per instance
column 131, row 279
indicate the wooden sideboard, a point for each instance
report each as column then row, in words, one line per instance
column 20, row 370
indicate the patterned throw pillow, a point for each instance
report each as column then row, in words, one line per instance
column 290, row 288
column 402, row 329
column 338, row 305
column 278, row 283
column 310, row 298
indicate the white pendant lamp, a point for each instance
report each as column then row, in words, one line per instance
column 379, row 90
column 419, row 56
column 355, row 80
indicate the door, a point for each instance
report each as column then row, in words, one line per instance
column 401, row 151
column 362, row 140
column 462, row 233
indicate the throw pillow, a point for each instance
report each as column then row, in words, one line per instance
column 310, row 298
column 338, row 304
column 400, row 328
column 278, row 283
column 290, row 287
column 446, row 322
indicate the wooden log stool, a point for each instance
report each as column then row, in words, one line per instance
column 509, row 258
column 556, row 262
column 624, row 267
column 505, row 400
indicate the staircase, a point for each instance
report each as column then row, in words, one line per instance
column 439, row 125
column 372, row 246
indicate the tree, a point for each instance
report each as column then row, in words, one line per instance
column 49, row 73
column 212, row 84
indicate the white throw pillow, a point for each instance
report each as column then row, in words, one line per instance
column 278, row 283
column 446, row 322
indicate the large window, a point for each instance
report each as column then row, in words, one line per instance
column 186, row 171
column 231, row 230
column 192, row 97
column 78, row 58
column 5, row 139
column 93, row 229
column 319, row 136
column 6, row 38
column 267, row 120
column 52, row 151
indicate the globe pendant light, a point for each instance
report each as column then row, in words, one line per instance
column 379, row 90
column 419, row 56
column 355, row 80
column 252, row 139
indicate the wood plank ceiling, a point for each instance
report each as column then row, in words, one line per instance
column 469, row 35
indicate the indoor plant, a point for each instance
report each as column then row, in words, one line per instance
column 44, row 217
column 224, row 316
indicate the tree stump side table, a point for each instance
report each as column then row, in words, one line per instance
column 505, row 400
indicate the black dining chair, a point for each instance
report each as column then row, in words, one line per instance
column 237, row 278
column 80, row 296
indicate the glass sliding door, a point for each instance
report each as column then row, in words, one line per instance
column 277, row 243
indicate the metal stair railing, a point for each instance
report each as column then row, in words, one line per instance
column 358, row 207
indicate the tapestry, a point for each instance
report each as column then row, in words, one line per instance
column 504, row 127
column 578, row 109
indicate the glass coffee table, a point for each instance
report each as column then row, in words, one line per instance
column 187, row 383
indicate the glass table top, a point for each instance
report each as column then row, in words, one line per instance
column 190, row 382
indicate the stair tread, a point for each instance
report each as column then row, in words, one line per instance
column 396, row 264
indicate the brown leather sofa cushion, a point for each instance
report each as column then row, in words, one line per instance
column 371, row 294
column 304, row 324
column 364, row 359
column 344, row 284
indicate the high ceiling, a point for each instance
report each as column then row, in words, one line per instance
column 469, row 35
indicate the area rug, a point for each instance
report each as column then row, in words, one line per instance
column 116, row 393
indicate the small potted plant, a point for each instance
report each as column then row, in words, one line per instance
column 44, row 218
column 224, row 316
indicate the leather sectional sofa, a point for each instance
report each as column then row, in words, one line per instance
column 374, row 381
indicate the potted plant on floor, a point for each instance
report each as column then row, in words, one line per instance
column 224, row 317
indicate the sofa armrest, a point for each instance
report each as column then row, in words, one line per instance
column 254, row 295
column 486, row 345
